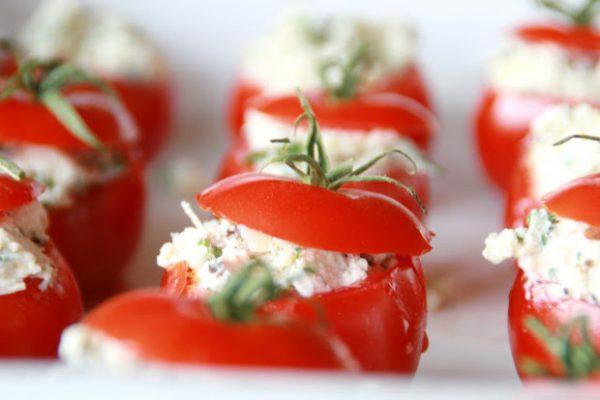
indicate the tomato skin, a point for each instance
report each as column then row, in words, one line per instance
column 577, row 200
column 408, row 83
column 33, row 319
column 166, row 328
column 501, row 123
column 347, row 221
column 369, row 317
column 98, row 233
column 26, row 121
column 150, row 105
column 14, row 194
column 524, row 303
column 573, row 38
column 234, row 163
column 519, row 198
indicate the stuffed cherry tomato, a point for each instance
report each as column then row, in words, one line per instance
column 541, row 64
column 81, row 147
column 348, row 253
column 38, row 293
column 545, row 166
column 112, row 48
column 360, row 130
column 374, row 57
column 554, row 316
column 153, row 326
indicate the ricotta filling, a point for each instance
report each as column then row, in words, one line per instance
column 342, row 145
column 292, row 54
column 560, row 253
column 552, row 166
column 63, row 175
column 82, row 346
column 94, row 40
column 22, row 239
column 216, row 249
column 544, row 69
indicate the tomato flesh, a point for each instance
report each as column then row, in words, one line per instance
column 14, row 194
column 347, row 221
column 165, row 328
column 408, row 83
column 33, row 319
column 578, row 200
column 551, row 313
column 234, row 163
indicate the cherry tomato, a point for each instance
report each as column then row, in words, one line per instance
column 576, row 39
column 409, row 83
column 578, row 200
column 33, row 319
column 234, row 163
column 150, row 105
column 519, row 199
column 100, row 231
column 165, row 328
column 364, row 113
column 502, row 122
column 14, row 193
column 381, row 320
column 348, row 221
column 527, row 302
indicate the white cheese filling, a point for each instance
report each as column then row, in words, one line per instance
column 292, row 54
column 22, row 238
column 544, row 69
column 552, row 166
column 342, row 145
column 216, row 249
column 561, row 253
column 82, row 346
column 95, row 40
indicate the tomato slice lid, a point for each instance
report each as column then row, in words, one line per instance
column 578, row 200
column 363, row 113
column 572, row 37
column 347, row 221
column 15, row 193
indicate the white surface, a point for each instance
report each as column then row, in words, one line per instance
column 469, row 350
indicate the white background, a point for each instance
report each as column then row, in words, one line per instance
column 202, row 41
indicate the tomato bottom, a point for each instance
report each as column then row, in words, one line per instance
column 382, row 320
column 33, row 319
column 527, row 347
column 98, row 234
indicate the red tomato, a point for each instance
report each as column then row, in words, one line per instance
column 348, row 221
column 526, row 302
column 100, row 231
column 576, row 39
column 577, row 200
column 501, row 123
column 409, row 83
column 234, row 163
column 165, row 328
column 519, row 198
column 381, row 320
column 364, row 113
column 150, row 105
column 33, row 319
column 14, row 193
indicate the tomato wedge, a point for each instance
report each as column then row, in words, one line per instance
column 161, row 327
column 578, row 200
column 14, row 193
column 348, row 221
column 574, row 38
column 365, row 112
